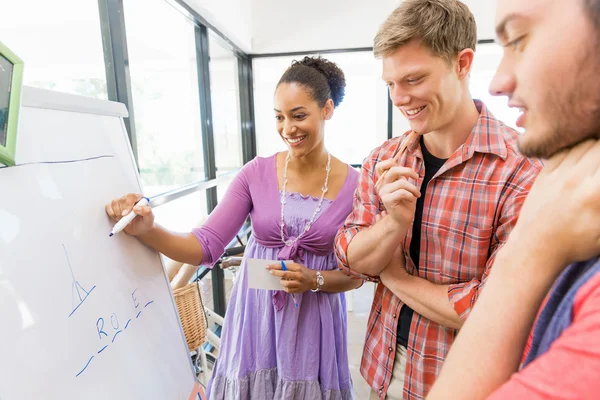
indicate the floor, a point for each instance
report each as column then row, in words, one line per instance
column 357, row 326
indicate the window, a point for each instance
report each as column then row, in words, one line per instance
column 183, row 214
column 359, row 123
column 400, row 123
column 266, row 73
column 60, row 43
column 487, row 60
column 164, row 78
column 223, row 186
column 225, row 101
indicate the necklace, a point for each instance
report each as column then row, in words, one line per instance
column 324, row 189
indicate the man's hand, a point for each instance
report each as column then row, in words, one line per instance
column 398, row 195
column 560, row 218
column 395, row 270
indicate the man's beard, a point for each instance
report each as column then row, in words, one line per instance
column 573, row 112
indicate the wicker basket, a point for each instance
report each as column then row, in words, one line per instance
column 191, row 313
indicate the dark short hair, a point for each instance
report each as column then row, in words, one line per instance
column 322, row 78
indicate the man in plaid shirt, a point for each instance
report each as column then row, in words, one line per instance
column 460, row 179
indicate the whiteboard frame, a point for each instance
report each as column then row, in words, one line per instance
column 7, row 151
column 52, row 100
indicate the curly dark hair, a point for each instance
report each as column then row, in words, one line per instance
column 323, row 79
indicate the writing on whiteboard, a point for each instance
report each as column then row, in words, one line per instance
column 76, row 288
column 110, row 330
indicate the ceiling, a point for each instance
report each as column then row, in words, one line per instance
column 281, row 26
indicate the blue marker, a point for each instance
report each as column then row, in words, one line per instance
column 284, row 268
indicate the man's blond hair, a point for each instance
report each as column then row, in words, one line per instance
column 446, row 27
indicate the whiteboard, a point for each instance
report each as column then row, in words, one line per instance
column 83, row 316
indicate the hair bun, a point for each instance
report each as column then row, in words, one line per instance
column 334, row 75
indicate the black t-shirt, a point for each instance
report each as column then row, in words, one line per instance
column 432, row 166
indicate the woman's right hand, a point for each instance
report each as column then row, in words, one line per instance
column 141, row 224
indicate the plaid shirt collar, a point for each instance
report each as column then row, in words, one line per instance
column 480, row 140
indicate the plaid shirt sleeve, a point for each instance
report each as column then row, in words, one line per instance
column 462, row 296
column 364, row 214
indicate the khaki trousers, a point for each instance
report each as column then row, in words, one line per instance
column 396, row 388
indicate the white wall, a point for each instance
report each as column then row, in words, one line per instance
column 232, row 17
column 285, row 25
column 277, row 26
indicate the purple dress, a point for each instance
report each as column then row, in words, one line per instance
column 269, row 348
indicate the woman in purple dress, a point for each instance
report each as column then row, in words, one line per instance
column 297, row 200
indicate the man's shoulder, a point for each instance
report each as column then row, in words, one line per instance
column 577, row 287
column 385, row 150
column 518, row 166
column 590, row 289
column 510, row 138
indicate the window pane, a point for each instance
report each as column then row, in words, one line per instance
column 224, row 91
column 487, row 60
column 164, row 80
column 60, row 42
column 266, row 73
column 183, row 214
column 400, row 123
column 223, row 186
column 359, row 123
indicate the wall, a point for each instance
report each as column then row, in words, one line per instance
column 232, row 17
column 275, row 26
column 285, row 26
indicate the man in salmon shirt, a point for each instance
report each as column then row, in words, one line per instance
column 550, row 71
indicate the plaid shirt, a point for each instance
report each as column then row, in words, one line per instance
column 470, row 207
